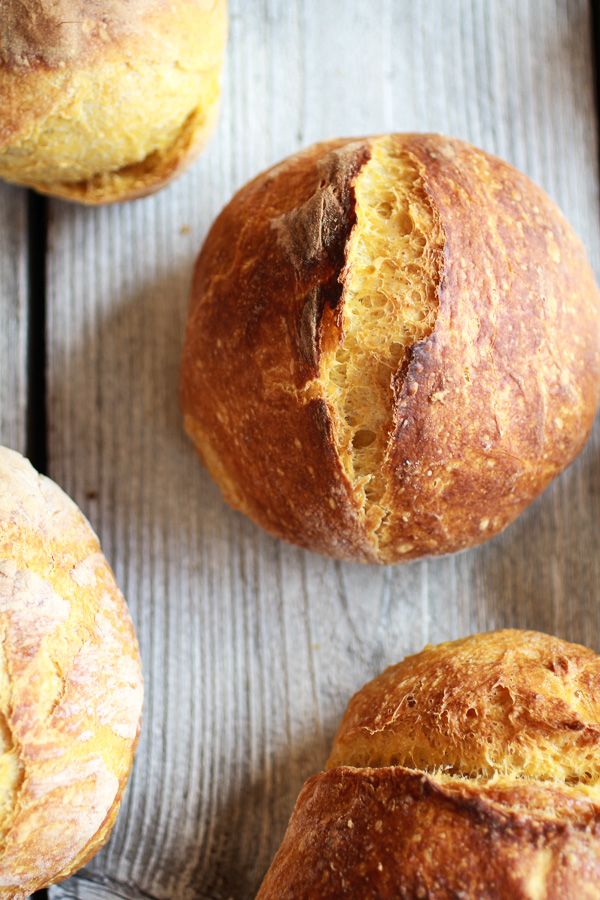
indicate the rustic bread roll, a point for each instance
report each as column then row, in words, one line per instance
column 392, row 347
column 470, row 770
column 105, row 101
column 70, row 685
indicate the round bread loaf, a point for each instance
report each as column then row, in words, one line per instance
column 105, row 101
column 470, row 770
column 393, row 346
column 70, row 685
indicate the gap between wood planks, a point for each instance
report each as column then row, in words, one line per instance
column 595, row 12
column 37, row 433
column 37, row 214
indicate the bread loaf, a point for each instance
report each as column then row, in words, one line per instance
column 393, row 346
column 70, row 685
column 470, row 770
column 105, row 101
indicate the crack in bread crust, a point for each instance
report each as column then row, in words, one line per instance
column 390, row 282
column 470, row 412
column 388, row 819
column 500, row 708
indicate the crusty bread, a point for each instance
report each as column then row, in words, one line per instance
column 105, row 101
column 70, row 685
column 393, row 346
column 470, row 770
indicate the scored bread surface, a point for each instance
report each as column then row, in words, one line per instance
column 483, row 708
column 70, row 685
column 468, row 770
column 106, row 101
column 393, row 346
column 390, row 281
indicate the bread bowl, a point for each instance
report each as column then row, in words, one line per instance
column 70, row 685
column 468, row 770
column 392, row 347
column 105, row 101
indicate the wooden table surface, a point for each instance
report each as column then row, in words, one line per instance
column 251, row 648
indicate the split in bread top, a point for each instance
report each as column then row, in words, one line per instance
column 393, row 346
column 469, row 770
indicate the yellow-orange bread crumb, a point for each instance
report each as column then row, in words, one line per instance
column 70, row 685
column 470, row 770
column 393, row 346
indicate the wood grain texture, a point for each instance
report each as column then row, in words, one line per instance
column 252, row 648
column 14, row 316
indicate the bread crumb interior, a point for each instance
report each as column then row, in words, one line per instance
column 389, row 304
column 459, row 757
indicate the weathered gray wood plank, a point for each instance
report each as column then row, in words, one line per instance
column 13, row 317
column 251, row 648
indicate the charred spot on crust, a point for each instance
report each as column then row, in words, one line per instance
column 315, row 236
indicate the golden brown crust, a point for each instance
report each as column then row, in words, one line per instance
column 484, row 705
column 503, row 394
column 107, row 101
column 487, row 410
column 392, row 833
column 70, row 685
column 487, row 781
column 288, row 227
